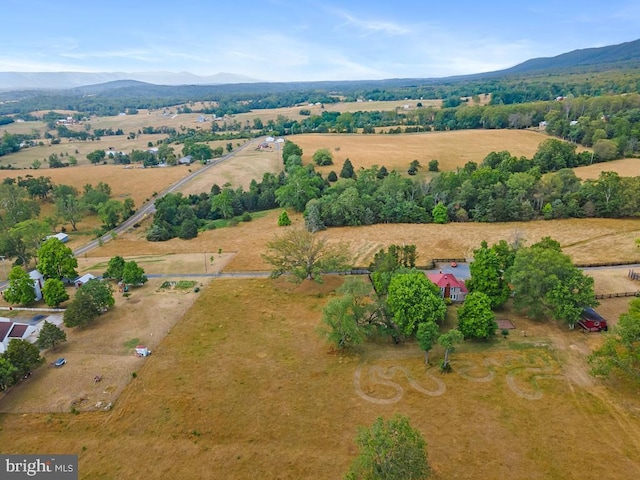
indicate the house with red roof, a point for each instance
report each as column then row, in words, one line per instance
column 11, row 330
column 450, row 286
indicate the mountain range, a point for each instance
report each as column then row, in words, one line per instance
column 624, row 55
column 66, row 80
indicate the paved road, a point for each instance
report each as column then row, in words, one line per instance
column 149, row 207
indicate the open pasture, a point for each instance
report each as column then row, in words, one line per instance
column 279, row 401
column 451, row 149
column 625, row 167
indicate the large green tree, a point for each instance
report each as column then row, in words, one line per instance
column 50, row 336
column 21, row 288
column 54, row 293
column 475, row 318
column 390, row 450
column 304, row 255
column 349, row 318
column 301, row 185
column 110, row 212
column 547, row 284
column 56, row 260
column 620, row 353
column 23, row 355
column 132, row 274
column 101, row 293
column 487, row 276
column 412, row 299
column 81, row 311
column 115, row 267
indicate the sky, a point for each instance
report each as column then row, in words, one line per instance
column 304, row 40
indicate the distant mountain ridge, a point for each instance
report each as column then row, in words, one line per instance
column 601, row 58
column 622, row 56
column 67, row 80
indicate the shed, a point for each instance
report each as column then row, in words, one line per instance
column 142, row 351
column 185, row 160
column 63, row 237
column 78, row 282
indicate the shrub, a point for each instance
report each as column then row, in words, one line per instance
column 246, row 217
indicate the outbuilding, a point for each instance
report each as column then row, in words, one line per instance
column 592, row 321
column 78, row 282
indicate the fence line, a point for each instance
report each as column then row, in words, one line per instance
column 616, row 295
column 606, row 264
column 29, row 309
column 633, row 275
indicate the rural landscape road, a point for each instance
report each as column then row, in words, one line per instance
column 149, row 207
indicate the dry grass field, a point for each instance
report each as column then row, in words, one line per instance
column 451, row 149
column 585, row 240
column 239, row 381
column 626, row 167
column 239, row 387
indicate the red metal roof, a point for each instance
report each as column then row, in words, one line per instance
column 18, row 330
column 4, row 329
column 443, row 280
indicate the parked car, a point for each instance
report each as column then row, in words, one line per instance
column 59, row 362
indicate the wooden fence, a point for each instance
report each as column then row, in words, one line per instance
column 606, row 264
column 633, row 275
column 616, row 295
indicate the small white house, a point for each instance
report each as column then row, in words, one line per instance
column 83, row 279
column 38, row 283
column 185, row 160
column 269, row 139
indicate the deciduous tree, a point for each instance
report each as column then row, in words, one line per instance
column 21, row 288
column 487, row 276
column 132, row 274
column 427, row 336
column 54, row 293
column 412, row 299
column 23, row 355
column 620, row 353
column 304, row 255
column 449, row 341
column 390, row 450
column 475, row 318
column 56, row 260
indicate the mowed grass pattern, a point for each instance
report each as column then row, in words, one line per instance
column 243, row 387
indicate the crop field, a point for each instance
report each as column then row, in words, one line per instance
column 451, row 149
column 279, row 401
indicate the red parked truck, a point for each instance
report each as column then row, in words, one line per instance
column 592, row 321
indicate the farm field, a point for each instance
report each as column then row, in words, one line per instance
column 280, row 402
column 585, row 240
column 626, row 167
column 452, row 149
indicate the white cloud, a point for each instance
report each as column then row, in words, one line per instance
column 370, row 26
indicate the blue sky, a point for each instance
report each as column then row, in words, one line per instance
column 303, row 40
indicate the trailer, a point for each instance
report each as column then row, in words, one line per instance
column 142, row 351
